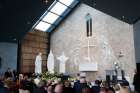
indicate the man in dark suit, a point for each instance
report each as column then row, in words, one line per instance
column 79, row 85
column 136, row 82
column 8, row 73
column 96, row 87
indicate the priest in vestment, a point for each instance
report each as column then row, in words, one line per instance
column 38, row 64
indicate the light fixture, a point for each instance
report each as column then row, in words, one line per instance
column 45, row 1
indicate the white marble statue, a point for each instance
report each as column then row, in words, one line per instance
column 38, row 64
column 50, row 62
column 62, row 59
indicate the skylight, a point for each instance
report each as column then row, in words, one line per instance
column 58, row 8
column 50, row 17
column 66, row 2
column 43, row 26
column 55, row 13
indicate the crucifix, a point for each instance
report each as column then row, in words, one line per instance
column 62, row 59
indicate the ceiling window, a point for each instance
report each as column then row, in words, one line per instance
column 42, row 26
column 55, row 13
column 59, row 8
column 66, row 2
column 50, row 17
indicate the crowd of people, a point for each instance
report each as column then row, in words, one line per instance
column 9, row 82
column 13, row 83
column 81, row 85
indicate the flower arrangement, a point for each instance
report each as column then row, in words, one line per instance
column 71, row 79
column 53, row 77
column 50, row 76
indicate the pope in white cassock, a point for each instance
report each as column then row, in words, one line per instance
column 38, row 64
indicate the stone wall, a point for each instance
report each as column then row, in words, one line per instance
column 111, row 38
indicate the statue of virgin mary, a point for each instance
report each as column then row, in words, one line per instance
column 38, row 64
column 50, row 62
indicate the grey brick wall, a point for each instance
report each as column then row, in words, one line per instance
column 110, row 37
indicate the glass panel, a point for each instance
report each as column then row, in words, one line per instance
column 67, row 2
column 42, row 26
column 50, row 17
column 58, row 8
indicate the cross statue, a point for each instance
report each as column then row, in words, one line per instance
column 62, row 59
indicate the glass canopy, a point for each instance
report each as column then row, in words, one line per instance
column 55, row 13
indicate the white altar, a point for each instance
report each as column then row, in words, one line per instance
column 88, row 67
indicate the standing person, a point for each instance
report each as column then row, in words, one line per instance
column 86, row 90
column 124, row 87
column 116, row 88
column 14, row 74
column 103, row 90
column 23, row 88
column 136, row 81
column 8, row 73
column 49, row 89
column 96, row 87
column 67, row 87
column 38, row 64
column 58, row 88
column 24, row 84
column 76, row 83
column 80, row 85
column 40, row 87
